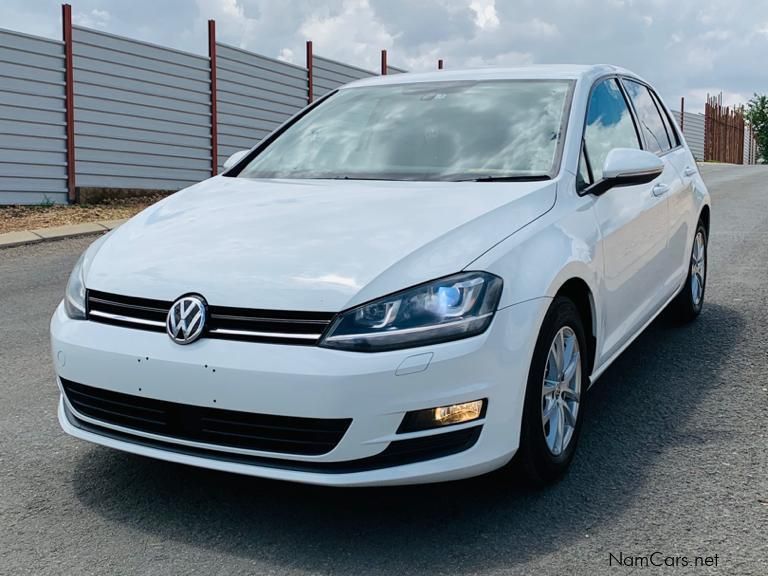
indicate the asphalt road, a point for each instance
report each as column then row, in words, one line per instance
column 673, row 458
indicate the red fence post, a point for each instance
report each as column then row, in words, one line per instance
column 69, row 91
column 682, row 115
column 383, row 62
column 310, row 74
column 214, row 97
column 440, row 64
column 710, row 135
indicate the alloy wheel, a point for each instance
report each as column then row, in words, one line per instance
column 698, row 268
column 561, row 390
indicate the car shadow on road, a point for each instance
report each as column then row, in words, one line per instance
column 639, row 409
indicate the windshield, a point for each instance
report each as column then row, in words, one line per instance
column 424, row 131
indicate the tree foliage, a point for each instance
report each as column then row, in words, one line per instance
column 757, row 116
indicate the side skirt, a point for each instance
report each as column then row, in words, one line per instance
column 599, row 372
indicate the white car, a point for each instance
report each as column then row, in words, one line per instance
column 415, row 279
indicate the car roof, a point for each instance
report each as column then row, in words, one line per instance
column 536, row 72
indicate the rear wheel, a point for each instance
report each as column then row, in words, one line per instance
column 554, row 398
column 688, row 304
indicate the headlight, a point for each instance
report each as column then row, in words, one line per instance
column 450, row 308
column 74, row 297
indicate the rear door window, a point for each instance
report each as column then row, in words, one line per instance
column 651, row 124
column 668, row 123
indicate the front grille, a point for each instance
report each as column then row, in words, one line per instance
column 226, row 428
column 223, row 322
column 398, row 453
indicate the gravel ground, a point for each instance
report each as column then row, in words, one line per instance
column 17, row 218
column 673, row 458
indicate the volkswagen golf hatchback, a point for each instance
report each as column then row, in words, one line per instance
column 415, row 279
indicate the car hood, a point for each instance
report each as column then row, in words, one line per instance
column 321, row 245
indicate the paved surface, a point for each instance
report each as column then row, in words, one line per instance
column 674, row 458
column 24, row 237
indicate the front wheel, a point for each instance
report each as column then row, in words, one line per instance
column 688, row 304
column 554, row 398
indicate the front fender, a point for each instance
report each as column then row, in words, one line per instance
column 536, row 261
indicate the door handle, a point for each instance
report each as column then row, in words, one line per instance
column 689, row 171
column 660, row 189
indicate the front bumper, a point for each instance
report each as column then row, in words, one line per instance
column 309, row 382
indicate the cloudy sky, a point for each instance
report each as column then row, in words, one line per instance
column 685, row 47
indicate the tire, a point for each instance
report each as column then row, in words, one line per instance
column 538, row 459
column 688, row 304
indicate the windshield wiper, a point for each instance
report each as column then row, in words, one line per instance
column 520, row 178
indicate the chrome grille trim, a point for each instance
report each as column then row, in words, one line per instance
column 249, row 333
column 131, row 306
column 126, row 319
column 266, row 319
column 238, row 324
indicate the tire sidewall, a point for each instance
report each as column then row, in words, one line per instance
column 541, row 465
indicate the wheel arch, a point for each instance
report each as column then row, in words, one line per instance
column 704, row 217
column 578, row 290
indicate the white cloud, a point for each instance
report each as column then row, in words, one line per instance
column 286, row 55
column 700, row 58
column 353, row 32
column 682, row 46
column 716, row 35
column 503, row 59
column 485, row 13
column 541, row 28
column 94, row 19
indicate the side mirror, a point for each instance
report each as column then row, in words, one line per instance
column 235, row 158
column 627, row 167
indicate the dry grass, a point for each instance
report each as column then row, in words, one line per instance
column 16, row 218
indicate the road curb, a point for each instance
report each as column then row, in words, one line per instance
column 11, row 239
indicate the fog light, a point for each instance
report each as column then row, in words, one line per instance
column 442, row 416
column 458, row 413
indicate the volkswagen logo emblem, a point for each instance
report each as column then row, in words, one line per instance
column 186, row 319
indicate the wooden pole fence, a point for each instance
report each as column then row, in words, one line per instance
column 724, row 132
